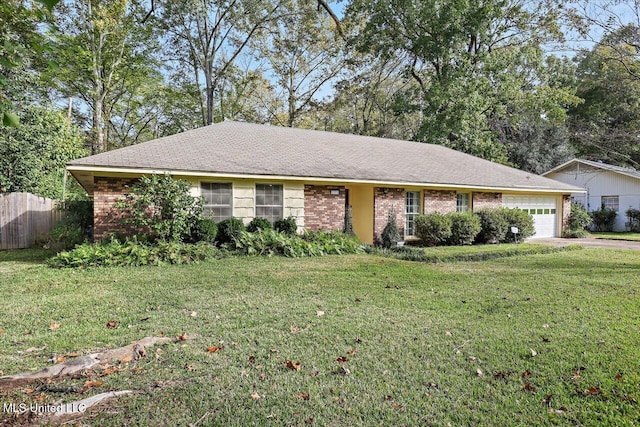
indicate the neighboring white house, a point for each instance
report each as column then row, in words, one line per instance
column 610, row 186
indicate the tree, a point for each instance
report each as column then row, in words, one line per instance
column 304, row 53
column 20, row 43
column 207, row 37
column 33, row 156
column 607, row 125
column 472, row 61
column 101, row 49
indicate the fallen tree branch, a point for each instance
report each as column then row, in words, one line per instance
column 76, row 367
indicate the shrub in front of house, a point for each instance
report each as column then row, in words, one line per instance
column 74, row 228
column 522, row 221
column 271, row 242
column 257, row 224
column 229, row 229
column 390, row 234
column 433, row 229
column 464, row 228
column 579, row 220
column 164, row 205
column 133, row 253
column 286, row 226
column 603, row 219
column 493, row 225
column 204, row 230
column 633, row 215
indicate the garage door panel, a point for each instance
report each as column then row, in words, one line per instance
column 542, row 208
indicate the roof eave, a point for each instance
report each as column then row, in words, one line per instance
column 140, row 171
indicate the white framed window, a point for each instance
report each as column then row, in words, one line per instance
column 218, row 200
column 269, row 201
column 462, row 202
column 610, row 202
column 411, row 211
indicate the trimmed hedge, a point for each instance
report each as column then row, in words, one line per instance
column 271, row 242
column 464, row 228
column 287, row 226
column 433, row 229
column 493, row 225
column 258, row 224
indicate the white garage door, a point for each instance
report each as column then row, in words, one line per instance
column 542, row 209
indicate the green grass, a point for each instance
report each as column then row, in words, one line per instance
column 415, row 336
column 617, row 236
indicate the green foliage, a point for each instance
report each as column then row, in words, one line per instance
column 603, row 219
column 464, row 228
column 522, row 220
column 466, row 254
column 33, row 155
column 229, row 230
column 493, row 225
column 286, row 225
column 433, row 229
column 133, row 253
column 390, row 235
column 74, row 228
column 257, row 224
column 633, row 215
column 270, row 242
column 204, row 230
column 163, row 204
column 579, row 220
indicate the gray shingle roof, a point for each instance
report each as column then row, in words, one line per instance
column 250, row 149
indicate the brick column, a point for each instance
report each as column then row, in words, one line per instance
column 566, row 211
column 486, row 201
column 107, row 218
column 384, row 200
column 441, row 201
column 323, row 210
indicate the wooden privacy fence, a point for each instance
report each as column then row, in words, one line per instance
column 25, row 217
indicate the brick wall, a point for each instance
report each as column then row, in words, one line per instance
column 486, row 201
column 385, row 200
column 107, row 218
column 441, row 201
column 323, row 210
column 566, row 211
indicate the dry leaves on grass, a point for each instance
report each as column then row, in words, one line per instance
column 294, row 366
column 112, row 324
column 54, row 326
column 529, row 387
column 214, row 349
column 593, row 391
column 294, row 329
column 256, row 396
column 342, row 359
column 303, row 396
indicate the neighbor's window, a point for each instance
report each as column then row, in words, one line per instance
column 610, row 202
column 462, row 202
column 411, row 211
column 269, row 201
column 218, row 200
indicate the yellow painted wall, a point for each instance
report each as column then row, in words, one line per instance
column 361, row 199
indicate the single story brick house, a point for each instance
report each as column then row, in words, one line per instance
column 613, row 187
column 248, row 170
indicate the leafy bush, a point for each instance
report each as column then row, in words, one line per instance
column 257, row 224
column 74, row 228
column 165, row 205
column 464, row 228
column 287, row 226
column 579, row 220
column 271, row 242
column 133, row 253
column 390, row 235
column 603, row 219
column 229, row 229
column 634, row 219
column 433, row 229
column 522, row 220
column 493, row 225
column 204, row 230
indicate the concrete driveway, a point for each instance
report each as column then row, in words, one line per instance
column 587, row 243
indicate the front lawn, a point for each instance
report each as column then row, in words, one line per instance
column 529, row 340
column 617, row 236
